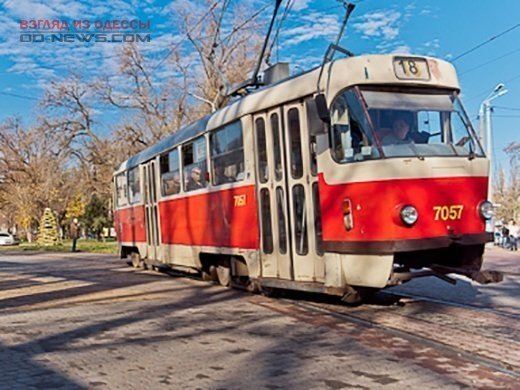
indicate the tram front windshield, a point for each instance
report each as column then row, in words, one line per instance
column 372, row 124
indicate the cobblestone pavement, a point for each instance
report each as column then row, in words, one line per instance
column 90, row 321
column 503, row 260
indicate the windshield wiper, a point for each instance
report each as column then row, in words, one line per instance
column 414, row 149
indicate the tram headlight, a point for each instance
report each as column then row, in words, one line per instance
column 486, row 210
column 409, row 215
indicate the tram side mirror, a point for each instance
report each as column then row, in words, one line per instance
column 321, row 107
column 318, row 121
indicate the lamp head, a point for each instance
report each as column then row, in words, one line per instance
column 499, row 87
column 502, row 92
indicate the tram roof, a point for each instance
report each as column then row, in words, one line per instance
column 337, row 75
column 190, row 131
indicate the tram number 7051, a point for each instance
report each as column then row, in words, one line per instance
column 446, row 213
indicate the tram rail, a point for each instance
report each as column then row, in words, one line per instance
column 397, row 323
column 430, row 342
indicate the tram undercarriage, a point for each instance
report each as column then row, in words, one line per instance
column 455, row 259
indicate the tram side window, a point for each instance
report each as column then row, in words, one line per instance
column 293, row 119
column 300, row 220
column 276, row 146
column 351, row 137
column 194, row 164
column 170, row 173
column 134, row 186
column 261, row 144
column 227, row 154
column 121, row 190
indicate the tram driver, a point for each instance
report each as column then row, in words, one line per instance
column 400, row 132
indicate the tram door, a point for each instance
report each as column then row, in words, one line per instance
column 272, row 195
column 151, row 211
column 302, row 190
column 287, row 194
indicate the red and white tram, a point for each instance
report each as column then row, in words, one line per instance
column 361, row 174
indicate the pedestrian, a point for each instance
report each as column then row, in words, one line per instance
column 505, row 237
column 74, row 233
column 513, row 235
column 498, row 235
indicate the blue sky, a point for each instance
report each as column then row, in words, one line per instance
column 440, row 28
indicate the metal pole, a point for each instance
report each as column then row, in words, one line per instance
column 490, row 224
column 489, row 148
column 482, row 118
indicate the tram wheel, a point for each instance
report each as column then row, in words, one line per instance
column 352, row 297
column 137, row 262
column 210, row 275
column 224, row 275
column 270, row 292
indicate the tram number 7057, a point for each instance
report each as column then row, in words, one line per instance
column 446, row 213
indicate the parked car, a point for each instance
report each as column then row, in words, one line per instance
column 7, row 239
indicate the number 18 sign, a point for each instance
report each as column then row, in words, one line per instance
column 411, row 68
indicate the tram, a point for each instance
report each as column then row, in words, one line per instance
column 357, row 175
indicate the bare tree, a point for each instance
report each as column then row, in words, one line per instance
column 69, row 152
column 69, row 105
column 154, row 106
column 507, row 187
column 33, row 172
column 227, row 41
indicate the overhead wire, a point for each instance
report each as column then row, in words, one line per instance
column 214, row 45
column 490, row 62
column 485, row 42
column 18, row 95
column 170, row 52
column 252, row 17
column 507, row 108
column 176, row 46
column 172, row 49
column 288, row 7
column 505, row 116
column 487, row 89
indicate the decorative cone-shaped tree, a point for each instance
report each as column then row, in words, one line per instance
column 48, row 233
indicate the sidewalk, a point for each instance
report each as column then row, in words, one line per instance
column 499, row 259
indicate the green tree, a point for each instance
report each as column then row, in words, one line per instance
column 75, row 208
column 96, row 217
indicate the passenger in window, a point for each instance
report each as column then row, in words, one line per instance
column 176, row 186
column 399, row 134
column 221, row 177
column 176, row 183
column 172, row 185
column 194, row 181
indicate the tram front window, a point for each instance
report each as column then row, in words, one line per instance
column 352, row 138
column 405, row 123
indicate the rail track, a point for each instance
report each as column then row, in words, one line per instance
column 477, row 346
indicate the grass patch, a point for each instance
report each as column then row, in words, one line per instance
column 91, row 246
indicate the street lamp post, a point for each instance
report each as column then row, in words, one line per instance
column 487, row 139
column 486, row 130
